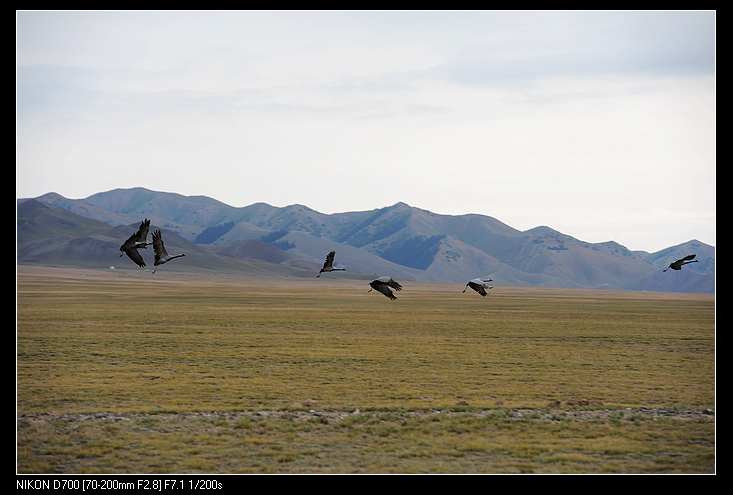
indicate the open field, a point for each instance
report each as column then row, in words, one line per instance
column 128, row 372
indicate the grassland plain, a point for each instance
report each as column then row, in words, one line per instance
column 124, row 371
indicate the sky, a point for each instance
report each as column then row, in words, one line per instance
column 599, row 124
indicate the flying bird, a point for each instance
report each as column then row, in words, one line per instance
column 328, row 264
column 479, row 285
column 677, row 265
column 161, row 255
column 137, row 241
column 383, row 284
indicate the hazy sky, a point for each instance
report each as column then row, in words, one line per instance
column 598, row 124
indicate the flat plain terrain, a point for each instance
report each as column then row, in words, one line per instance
column 129, row 372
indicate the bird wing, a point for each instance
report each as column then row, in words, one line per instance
column 392, row 283
column 384, row 290
column 329, row 260
column 135, row 256
column 129, row 242
column 481, row 290
column 158, row 246
column 688, row 257
column 142, row 232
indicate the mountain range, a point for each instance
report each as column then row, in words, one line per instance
column 398, row 240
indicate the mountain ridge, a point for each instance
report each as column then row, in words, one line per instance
column 409, row 241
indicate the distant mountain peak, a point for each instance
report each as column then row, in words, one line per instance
column 694, row 242
column 129, row 189
column 691, row 244
column 50, row 196
column 542, row 230
column 298, row 206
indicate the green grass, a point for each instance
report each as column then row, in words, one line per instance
column 135, row 343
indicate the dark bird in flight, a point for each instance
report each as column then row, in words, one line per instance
column 328, row 264
column 161, row 255
column 135, row 242
column 677, row 265
column 383, row 284
column 479, row 285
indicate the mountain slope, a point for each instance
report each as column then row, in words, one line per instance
column 54, row 236
column 36, row 220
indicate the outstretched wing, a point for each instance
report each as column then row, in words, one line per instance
column 129, row 242
column 142, row 232
column 140, row 236
column 158, row 246
column 384, row 290
column 329, row 260
column 480, row 289
column 392, row 283
column 688, row 257
column 135, row 256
